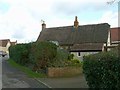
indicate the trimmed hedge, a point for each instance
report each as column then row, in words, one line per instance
column 20, row 53
column 102, row 70
column 34, row 55
column 39, row 55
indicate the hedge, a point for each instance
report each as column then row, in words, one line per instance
column 42, row 53
column 20, row 53
column 102, row 70
column 60, row 58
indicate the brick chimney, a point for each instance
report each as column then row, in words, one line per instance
column 76, row 23
column 43, row 25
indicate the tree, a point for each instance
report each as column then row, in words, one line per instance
column 112, row 1
column 42, row 53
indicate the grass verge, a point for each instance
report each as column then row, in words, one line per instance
column 26, row 70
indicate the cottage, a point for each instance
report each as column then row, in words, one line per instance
column 5, row 44
column 78, row 39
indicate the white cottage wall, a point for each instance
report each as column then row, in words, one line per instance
column 76, row 54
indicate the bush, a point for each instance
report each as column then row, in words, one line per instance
column 102, row 70
column 20, row 53
column 64, row 59
column 42, row 53
column 60, row 58
column 75, row 63
column 70, row 56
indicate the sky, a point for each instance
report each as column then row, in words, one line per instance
column 21, row 19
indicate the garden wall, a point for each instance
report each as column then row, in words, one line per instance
column 64, row 71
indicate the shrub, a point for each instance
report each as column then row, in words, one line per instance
column 75, row 62
column 102, row 70
column 64, row 59
column 42, row 53
column 20, row 53
column 70, row 56
column 60, row 58
column 39, row 55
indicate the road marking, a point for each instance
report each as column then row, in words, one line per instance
column 43, row 83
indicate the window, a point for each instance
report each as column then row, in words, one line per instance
column 78, row 53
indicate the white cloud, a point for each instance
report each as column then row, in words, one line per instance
column 111, row 18
column 107, row 17
column 13, row 22
column 22, row 20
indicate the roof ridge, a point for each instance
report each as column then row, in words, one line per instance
column 59, row 27
column 78, row 25
column 4, row 39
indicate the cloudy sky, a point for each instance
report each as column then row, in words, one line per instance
column 21, row 19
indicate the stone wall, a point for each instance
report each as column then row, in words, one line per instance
column 64, row 71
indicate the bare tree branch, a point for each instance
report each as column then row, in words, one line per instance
column 112, row 1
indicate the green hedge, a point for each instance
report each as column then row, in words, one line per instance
column 60, row 58
column 42, row 53
column 34, row 55
column 20, row 53
column 102, row 70
column 64, row 59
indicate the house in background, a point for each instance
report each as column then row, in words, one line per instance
column 13, row 43
column 115, row 35
column 78, row 39
column 5, row 44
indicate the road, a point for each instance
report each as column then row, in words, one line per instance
column 14, row 78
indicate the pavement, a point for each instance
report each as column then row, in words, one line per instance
column 71, row 82
column 14, row 78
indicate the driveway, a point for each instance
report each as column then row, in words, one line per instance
column 14, row 78
column 71, row 82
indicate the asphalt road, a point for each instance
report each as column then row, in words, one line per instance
column 14, row 78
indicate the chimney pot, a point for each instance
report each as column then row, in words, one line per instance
column 76, row 23
column 43, row 25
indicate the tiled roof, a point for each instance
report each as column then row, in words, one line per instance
column 4, row 42
column 115, row 34
column 94, row 33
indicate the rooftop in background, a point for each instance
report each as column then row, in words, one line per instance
column 4, row 42
column 13, row 43
column 115, row 34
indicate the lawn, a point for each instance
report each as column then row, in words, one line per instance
column 26, row 70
